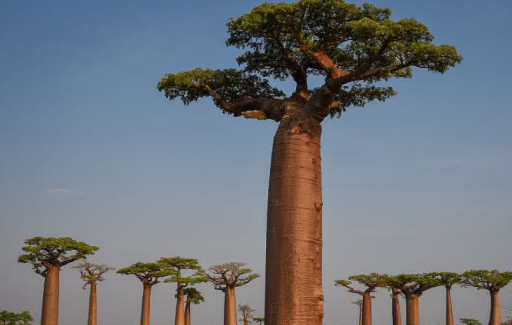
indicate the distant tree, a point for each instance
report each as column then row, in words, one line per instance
column 92, row 274
column 395, row 305
column 470, row 321
column 47, row 255
column 10, row 318
column 259, row 320
column 193, row 297
column 246, row 312
column 359, row 303
column 491, row 281
column 412, row 286
column 448, row 279
column 149, row 274
column 178, row 264
column 226, row 278
column 371, row 281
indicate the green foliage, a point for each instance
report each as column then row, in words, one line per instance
column 413, row 283
column 492, row 280
column 10, row 318
column 469, row 321
column 232, row 275
column 447, row 278
column 91, row 273
column 44, row 252
column 178, row 264
column 371, row 281
column 148, row 273
column 194, row 295
column 258, row 319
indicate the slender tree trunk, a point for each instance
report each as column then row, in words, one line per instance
column 495, row 318
column 50, row 311
column 146, row 300
column 293, row 275
column 361, row 315
column 179, row 316
column 412, row 310
column 449, row 310
column 187, row 312
column 395, row 307
column 229, row 306
column 93, row 314
column 367, row 308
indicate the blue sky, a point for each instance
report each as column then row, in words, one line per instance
column 90, row 149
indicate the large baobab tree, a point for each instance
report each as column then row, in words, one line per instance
column 47, row 255
column 10, row 318
column 149, row 274
column 371, row 281
column 412, row 286
column 193, row 297
column 92, row 274
column 179, row 264
column 246, row 312
column 448, row 279
column 491, row 281
column 226, row 278
column 353, row 47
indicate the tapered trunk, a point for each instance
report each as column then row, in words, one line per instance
column 361, row 315
column 412, row 310
column 293, row 275
column 146, row 300
column 367, row 308
column 449, row 311
column 187, row 312
column 229, row 306
column 50, row 311
column 179, row 316
column 395, row 307
column 495, row 318
column 93, row 305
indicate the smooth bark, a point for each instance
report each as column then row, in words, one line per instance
column 495, row 317
column 93, row 305
column 367, row 308
column 179, row 316
column 395, row 307
column 187, row 311
column 293, row 275
column 50, row 310
column 229, row 306
column 449, row 310
column 412, row 310
column 146, row 300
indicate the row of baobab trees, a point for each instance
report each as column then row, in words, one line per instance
column 48, row 254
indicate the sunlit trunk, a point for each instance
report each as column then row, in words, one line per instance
column 293, row 277
column 449, row 310
column 395, row 307
column 179, row 315
column 367, row 309
column 93, row 314
column 412, row 311
column 146, row 299
column 50, row 310
column 495, row 318
column 229, row 306
column 187, row 311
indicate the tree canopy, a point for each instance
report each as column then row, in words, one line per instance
column 147, row 273
column 10, row 318
column 193, row 295
column 178, row 264
column 230, row 275
column 448, row 279
column 44, row 252
column 492, row 280
column 90, row 272
column 370, row 281
column 469, row 321
column 413, row 283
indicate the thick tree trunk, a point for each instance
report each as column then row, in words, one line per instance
column 50, row 311
column 412, row 310
column 449, row 311
column 187, row 312
column 395, row 307
column 146, row 300
column 229, row 306
column 495, row 318
column 179, row 316
column 93, row 314
column 367, row 308
column 293, row 276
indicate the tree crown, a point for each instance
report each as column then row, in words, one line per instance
column 470, row 321
column 230, row 275
column 147, row 273
column 413, row 283
column 246, row 311
column 193, row 295
column 10, row 318
column 447, row 278
column 371, row 281
column 492, row 280
column 178, row 264
column 91, row 273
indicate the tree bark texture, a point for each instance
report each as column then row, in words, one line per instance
column 367, row 308
column 50, row 310
column 412, row 310
column 449, row 310
column 495, row 318
column 395, row 307
column 293, row 275
column 93, row 314
column 229, row 306
column 187, row 313
column 179, row 316
column 146, row 301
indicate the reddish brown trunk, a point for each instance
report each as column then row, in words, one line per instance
column 229, row 306
column 367, row 308
column 449, row 311
column 495, row 318
column 146, row 300
column 293, row 276
column 50, row 311
column 187, row 312
column 412, row 310
column 178, row 318
column 92, row 319
column 395, row 306
column 361, row 315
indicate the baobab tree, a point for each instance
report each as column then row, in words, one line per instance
column 448, row 279
column 193, row 297
column 226, row 278
column 395, row 305
column 246, row 312
column 491, row 281
column 92, row 274
column 178, row 264
column 371, row 281
column 359, row 303
column 412, row 286
column 353, row 47
column 10, row 318
column 149, row 274
column 47, row 255
column 259, row 320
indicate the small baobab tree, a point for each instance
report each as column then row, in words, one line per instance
column 179, row 264
column 226, row 278
column 149, row 274
column 448, row 279
column 193, row 297
column 395, row 304
column 246, row 312
column 47, row 255
column 359, row 303
column 92, row 274
column 491, row 281
column 10, row 318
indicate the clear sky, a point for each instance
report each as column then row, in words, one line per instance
column 90, row 149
